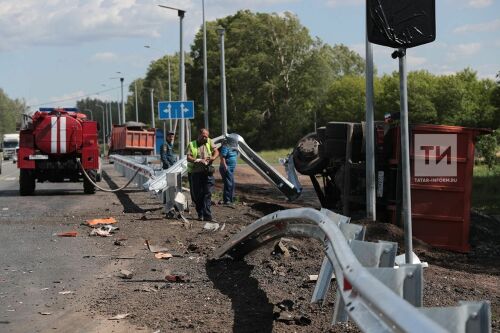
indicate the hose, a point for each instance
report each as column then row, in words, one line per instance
column 103, row 189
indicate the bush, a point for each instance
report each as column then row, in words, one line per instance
column 487, row 148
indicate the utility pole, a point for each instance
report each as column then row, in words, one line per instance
column 223, row 104
column 205, row 73
column 136, row 105
column 182, row 97
column 123, row 102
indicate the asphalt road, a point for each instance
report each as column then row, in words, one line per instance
column 37, row 266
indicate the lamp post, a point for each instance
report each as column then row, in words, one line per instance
column 136, row 103
column 103, row 129
column 223, row 104
column 181, row 14
column 205, row 74
column 90, row 112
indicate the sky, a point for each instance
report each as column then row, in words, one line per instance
column 54, row 52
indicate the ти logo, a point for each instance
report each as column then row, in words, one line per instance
column 435, row 155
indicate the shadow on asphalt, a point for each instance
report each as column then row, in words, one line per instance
column 128, row 205
column 42, row 193
column 252, row 310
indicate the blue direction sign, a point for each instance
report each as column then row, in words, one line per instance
column 176, row 110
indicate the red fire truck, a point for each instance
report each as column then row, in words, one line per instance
column 58, row 145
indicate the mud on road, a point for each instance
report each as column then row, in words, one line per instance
column 265, row 292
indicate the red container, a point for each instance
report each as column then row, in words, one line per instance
column 441, row 205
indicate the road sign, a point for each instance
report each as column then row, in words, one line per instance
column 176, row 110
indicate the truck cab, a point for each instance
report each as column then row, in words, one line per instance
column 10, row 145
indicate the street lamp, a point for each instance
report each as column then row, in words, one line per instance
column 223, row 104
column 181, row 14
column 121, row 115
column 205, row 75
column 91, row 113
column 103, row 129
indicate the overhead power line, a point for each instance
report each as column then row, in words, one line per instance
column 75, row 97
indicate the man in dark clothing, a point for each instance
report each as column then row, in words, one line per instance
column 167, row 151
column 200, row 155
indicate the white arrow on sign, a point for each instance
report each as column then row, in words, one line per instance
column 169, row 110
column 184, row 109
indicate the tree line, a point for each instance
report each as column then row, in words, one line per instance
column 10, row 113
column 280, row 80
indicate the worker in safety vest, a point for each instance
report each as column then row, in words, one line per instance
column 200, row 155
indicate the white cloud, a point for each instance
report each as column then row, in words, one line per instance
column 480, row 3
column 69, row 22
column 415, row 61
column 338, row 3
column 463, row 50
column 479, row 27
column 104, row 56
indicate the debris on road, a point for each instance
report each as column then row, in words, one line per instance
column 124, row 274
column 45, row 313
column 67, row 234
column 107, row 220
column 211, row 226
column 163, row 255
column 314, row 278
column 120, row 316
column 155, row 248
column 66, row 292
column 280, row 248
column 100, row 232
column 176, row 277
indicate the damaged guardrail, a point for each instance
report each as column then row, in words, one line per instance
column 167, row 184
column 374, row 293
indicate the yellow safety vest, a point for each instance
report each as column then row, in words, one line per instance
column 193, row 148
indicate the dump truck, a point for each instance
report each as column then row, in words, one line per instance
column 334, row 158
column 132, row 138
column 58, row 145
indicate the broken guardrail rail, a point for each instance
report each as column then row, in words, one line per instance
column 158, row 179
column 370, row 290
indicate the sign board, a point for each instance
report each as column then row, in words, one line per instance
column 176, row 110
column 401, row 23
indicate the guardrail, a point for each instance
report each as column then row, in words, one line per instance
column 370, row 290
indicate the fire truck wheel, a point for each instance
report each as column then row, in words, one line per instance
column 26, row 182
column 88, row 187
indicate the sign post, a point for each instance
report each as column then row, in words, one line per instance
column 402, row 24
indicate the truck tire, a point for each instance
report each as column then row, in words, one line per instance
column 26, row 182
column 306, row 157
column 88, row 187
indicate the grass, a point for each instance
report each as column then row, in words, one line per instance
column 486, row 189
column 271, row 156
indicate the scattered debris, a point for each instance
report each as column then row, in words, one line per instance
column 211, row 226
column 155, row 248
column 193, row 247
column 303, row 320
column 285, row 317
column 146, row 289
column 44, row 289
column 281, row 249
column 67, row 234
column 286, row 305
column 66, row 292
column 223, row 227
column 119, row 316
column 100, row 232
column 163, row 255
column 45, row 313
column 108, row 220
column 314, row 278
column 176, row 277
column 118, row 243
column 124, row 274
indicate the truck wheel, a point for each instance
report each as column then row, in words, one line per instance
column 306, row 156
column 26, row 182
column 88, row 187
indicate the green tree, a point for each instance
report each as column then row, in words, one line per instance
column 10, row 113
